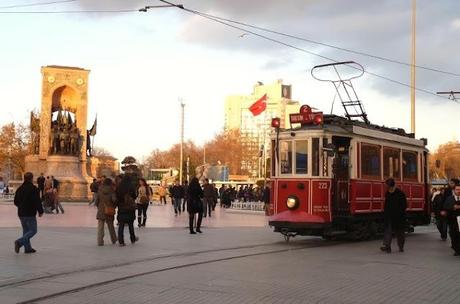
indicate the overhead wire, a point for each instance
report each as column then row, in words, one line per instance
column 71, row 12
column 36, row 4
column 332, row 46
column 298, row 48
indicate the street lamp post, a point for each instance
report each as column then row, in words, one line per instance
column 181, row 141
column 412, row 72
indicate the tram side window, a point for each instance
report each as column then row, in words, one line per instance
column 315, row 156
column 409, row 166
column 273, row 159
column 391, row 163
column 286, row 157
column 370, row 161
column 301, row 157
column 325, row 160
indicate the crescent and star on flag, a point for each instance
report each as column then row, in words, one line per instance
column 259, row 106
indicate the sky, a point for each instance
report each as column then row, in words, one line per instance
column 142, row 63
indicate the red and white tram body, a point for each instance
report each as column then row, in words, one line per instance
column 327, row 177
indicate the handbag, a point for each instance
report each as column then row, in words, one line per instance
column 109, row 211
column 143, row 200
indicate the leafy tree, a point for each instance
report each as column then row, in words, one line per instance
column 445, row 161
column 14, row 146
column 225, row 148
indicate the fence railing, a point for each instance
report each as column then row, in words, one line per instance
column 252, row 206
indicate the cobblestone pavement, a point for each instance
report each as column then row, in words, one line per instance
column 226, row 265
column 82, row 215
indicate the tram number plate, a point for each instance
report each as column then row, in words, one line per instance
column 322, row 186
column 320, row 209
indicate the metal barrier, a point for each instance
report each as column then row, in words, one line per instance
column 252, row 206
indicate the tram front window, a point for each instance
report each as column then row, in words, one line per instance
column 301, row 157
column 286, row 157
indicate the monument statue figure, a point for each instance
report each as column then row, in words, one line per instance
column 57, row 139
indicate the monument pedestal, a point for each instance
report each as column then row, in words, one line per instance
column 68, row 170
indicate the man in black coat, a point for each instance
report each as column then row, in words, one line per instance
column 27, row 200
column 394, row 216
column 452, row 207
column 41, row 185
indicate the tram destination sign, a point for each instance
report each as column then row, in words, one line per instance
column 306, row 116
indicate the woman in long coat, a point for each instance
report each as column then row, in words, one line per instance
column 105, row 211
column 126, row 195
column 194, row 204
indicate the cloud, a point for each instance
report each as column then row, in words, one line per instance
column 382, row 28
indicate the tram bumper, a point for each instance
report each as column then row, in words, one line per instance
column 298, row 222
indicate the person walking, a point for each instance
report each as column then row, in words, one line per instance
column 184, row 201
column 266, row 199
column 94, row 187
column 27, row 200
column 195, row 205
column 57, row 202
column 177, row 193
column 394, row 216
column 452, row 207
column 41, row 185
column 437, row 206
column 162, row 194
column 143, row 199
column 208, row 201
column 105, row 211
column 126, row 196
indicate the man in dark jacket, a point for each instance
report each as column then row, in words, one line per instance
column 452, row 207
column 177, row 193
column 41, row 185
column 27, row 200
column 394, row 216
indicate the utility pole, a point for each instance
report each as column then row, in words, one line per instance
column 412, row 72
column 182, row 104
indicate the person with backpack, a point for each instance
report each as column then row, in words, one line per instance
column 126, row 196
column 143, row 199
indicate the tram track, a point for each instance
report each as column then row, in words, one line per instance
column 292, row 247
column 146, row 259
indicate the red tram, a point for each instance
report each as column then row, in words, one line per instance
column 327, row 176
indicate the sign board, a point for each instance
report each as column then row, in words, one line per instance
column 306, row 116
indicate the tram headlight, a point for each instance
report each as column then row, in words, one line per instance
column 292, row 202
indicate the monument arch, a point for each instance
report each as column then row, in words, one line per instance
column 60, row 148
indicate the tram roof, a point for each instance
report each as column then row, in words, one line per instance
column 334, row 123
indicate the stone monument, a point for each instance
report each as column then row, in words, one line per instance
column 59, row 134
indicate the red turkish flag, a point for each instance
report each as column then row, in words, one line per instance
column 259, row 106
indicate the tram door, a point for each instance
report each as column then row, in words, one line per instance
column 341, row 176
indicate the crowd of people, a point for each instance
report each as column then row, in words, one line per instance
column 49, row 194
column 445, row 204
column 121, row 197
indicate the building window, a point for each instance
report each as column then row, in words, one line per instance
column 409, row 166
column 370, row 161
column 315, row 156
column 286, row 157
column 301, row 157
column 391, row 163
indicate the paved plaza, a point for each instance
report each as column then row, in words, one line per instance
column 241, row 263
